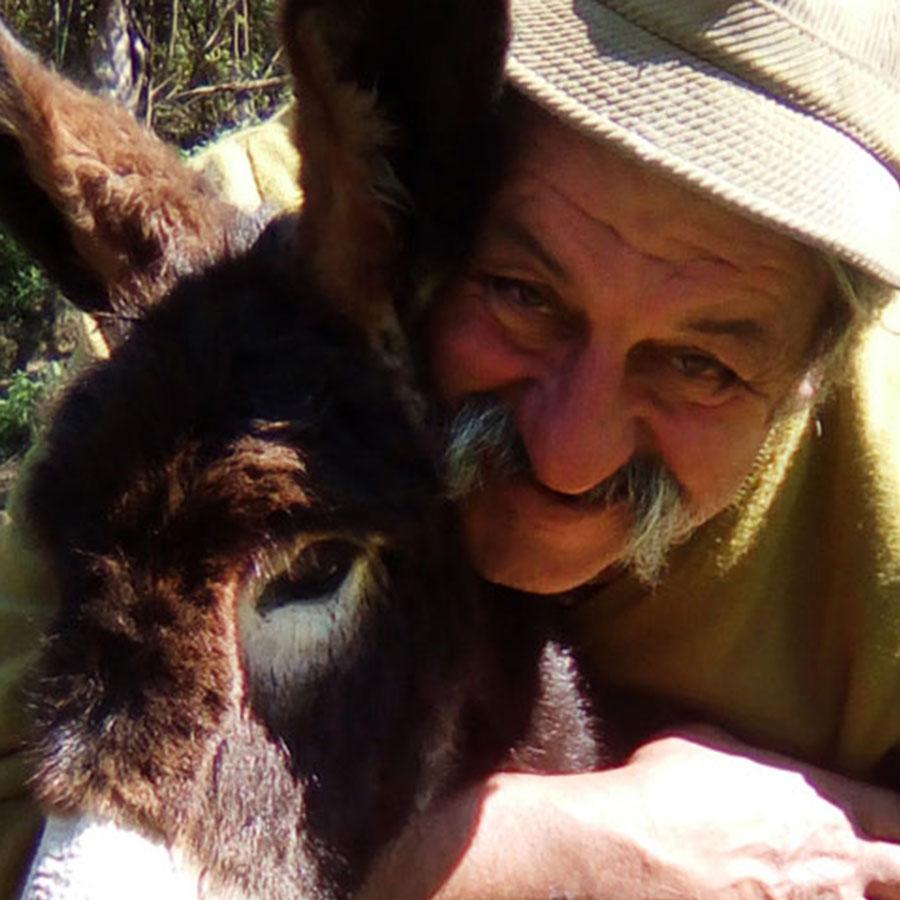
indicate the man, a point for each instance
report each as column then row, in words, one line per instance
column 663, row 278
column 659, row 293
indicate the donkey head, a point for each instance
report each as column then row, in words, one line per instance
column 267, row 654
column 259, row 612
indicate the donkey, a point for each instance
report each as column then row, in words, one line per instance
column 269, row 656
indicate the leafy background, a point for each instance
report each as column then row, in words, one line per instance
column 188, row 69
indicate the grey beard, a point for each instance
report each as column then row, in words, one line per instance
column 482, row 431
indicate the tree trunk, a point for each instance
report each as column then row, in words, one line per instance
column 118, row 55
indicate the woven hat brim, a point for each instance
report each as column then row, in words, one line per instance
column 612, row 79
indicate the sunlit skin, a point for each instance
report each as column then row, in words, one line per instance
column 617, row 313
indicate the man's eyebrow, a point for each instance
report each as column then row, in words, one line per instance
column 512, row 229
column 745, row 329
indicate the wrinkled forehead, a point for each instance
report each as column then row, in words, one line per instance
column 646, row 206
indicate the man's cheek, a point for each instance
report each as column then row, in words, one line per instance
column 712, row 452
column 469, row 352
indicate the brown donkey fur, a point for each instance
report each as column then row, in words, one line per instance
column 268, row 653
column 109, row 211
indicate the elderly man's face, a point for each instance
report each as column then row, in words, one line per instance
column 618, row 316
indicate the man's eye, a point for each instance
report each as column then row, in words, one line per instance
column 519, row 294
column 314, row 575
column 700, row 367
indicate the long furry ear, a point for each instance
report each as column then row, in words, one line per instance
column 107, row 208
column 395, row 106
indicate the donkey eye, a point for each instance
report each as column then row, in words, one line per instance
column 313, row 576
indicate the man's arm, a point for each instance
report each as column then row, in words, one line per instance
column 691, row 815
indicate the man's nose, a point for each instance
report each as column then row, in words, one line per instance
column 578, row 421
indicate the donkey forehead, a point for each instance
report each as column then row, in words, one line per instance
column 237, row 412
column 283, row 479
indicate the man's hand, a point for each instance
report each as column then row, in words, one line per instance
column 693, row 814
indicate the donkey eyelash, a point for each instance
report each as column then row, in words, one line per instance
column 311, row 576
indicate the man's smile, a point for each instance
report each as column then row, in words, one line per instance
column 521, row 495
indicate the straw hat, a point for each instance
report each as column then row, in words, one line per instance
column 788, row 110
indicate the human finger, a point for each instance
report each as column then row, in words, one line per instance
column 873, row 811
column 880, row 868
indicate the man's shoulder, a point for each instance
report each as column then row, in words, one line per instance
column 873, row 392
column 256, row 165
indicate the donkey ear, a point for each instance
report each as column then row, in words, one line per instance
column 107, row 208
column 395, row 103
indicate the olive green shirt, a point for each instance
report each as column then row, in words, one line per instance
column 27, row 602
column 780, row 619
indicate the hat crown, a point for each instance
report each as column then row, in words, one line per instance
column 786, row 110
column 867, row 31
column 836, row 60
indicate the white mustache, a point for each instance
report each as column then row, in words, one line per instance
column 482, row 433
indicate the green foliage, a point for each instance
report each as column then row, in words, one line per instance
column 26, row 308
column 19, row 408
column 26, row 331
column 190, row 69
column 219, row 47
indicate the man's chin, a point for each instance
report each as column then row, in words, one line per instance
column 518, row 538
column 543, row 582
column 536, row 576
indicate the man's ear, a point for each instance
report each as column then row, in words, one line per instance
column 107, row 208
column 396, row 100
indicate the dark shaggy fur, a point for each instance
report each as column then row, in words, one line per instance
column 237, row 420
column 269, row 653
column 395, row 125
